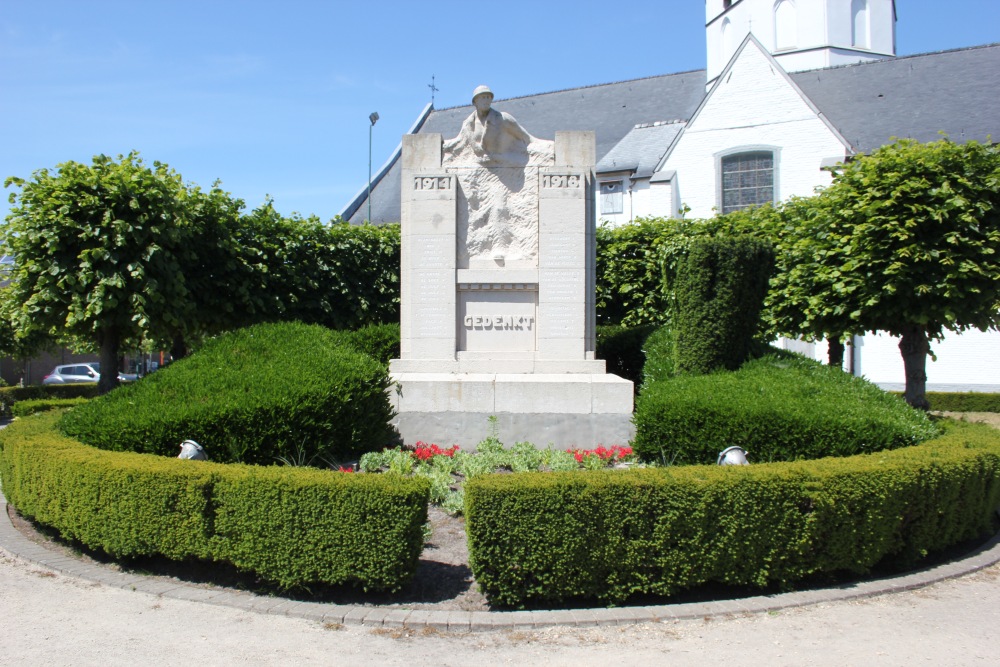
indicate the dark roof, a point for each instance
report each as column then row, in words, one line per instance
column 869, row 103
column 610, row 110
column 914, row 96
column 641, row 149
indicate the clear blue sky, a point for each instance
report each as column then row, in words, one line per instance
column 274, row 97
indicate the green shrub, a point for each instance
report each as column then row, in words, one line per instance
column 11, row 395
column 963, row 402
column 623, row 350
column 661, row 353
column 547, row 538
column 30, row 407
column 379, row 341
column 279, row 390
column 776, row 408
column 720, row 292
column 294, row 527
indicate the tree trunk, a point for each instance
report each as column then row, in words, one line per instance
column 915, row 347
column 178, row 348
column 836, row 352
column 109, row 361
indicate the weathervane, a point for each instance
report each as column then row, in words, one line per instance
column 433, row 88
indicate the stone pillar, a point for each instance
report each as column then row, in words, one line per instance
column 427, row 278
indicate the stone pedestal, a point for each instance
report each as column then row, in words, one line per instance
column 497, row 312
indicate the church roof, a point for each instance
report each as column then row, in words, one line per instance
column 869, row 103
column 641, row 149
column 915, row 97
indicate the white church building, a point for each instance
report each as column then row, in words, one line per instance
column 790, row 86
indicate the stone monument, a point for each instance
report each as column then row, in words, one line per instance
column 497, row 303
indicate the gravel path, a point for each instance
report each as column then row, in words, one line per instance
column 51, row 619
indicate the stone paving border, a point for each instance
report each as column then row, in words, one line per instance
column 14, row 542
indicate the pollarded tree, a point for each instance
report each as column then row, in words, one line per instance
column 908, row 243
column 97, row 254
column 798, row 303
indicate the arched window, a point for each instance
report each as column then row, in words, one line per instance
column 728, row 35
column 785, row 29
column 747, row 180
column 859, row 23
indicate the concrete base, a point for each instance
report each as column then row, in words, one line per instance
column 560, row 431
column 565, row 410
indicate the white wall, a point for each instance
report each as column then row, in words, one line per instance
column 645, row 200
column 822, row 39
column 965, row 362
column 754, row 106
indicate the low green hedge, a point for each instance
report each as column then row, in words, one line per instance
column 777, row 408
column 294, row 527
column 11, row 395
column 287, row 390
column 552, row 537
column 963, row 402
column 30, row 407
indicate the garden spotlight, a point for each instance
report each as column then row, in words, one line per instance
column 733, row 456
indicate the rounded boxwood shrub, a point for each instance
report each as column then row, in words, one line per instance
column 778, row 408
column 292, row 391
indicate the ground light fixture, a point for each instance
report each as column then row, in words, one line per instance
column 373, row 117
column 733, row 456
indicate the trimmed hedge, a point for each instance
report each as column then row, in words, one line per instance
column 661, row 353
column 30, row 407
column 777, row 408
column 285, row 390
column 294, row 527
column 720, row 293
column 379, row 341
column 963, row 402
column 551, row 537
column 11, row 395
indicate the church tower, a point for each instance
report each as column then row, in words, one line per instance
column 801, row 34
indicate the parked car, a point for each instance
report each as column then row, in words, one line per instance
column 83, row 372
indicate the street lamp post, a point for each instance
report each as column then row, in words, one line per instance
column 373, row 117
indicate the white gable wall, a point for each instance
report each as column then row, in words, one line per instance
column 754, row 106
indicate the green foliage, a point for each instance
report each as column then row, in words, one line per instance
column 720, row 291
column 964, row 402
column 295, row 527
column 904, row 241
column 278, row 390
column 548, row 538
column 341, row 276
column 30, row 407
column 661, row 355
column 101, row 252
column 629, row 284
column 637, row 264
column 777, row 409
column 379, row 341
column 623, row 350
column 11, row 395
column 448, row 468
